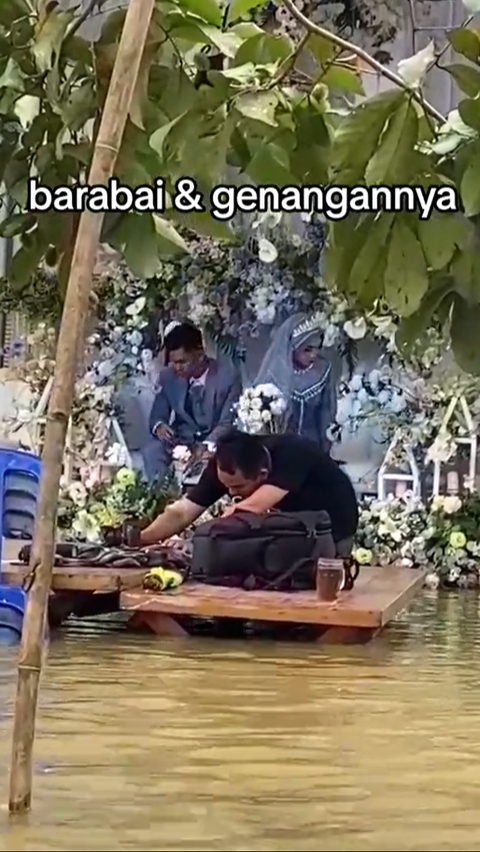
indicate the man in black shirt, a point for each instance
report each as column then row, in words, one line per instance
column 264, row 472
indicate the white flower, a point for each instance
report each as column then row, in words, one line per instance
column 266, row 416
column 256, row 404
column 181, row 454
column 267, row 251
column 86, row 527
column 78, row 493
column 413, row 69
column 355, row 329
column 117, row 455
column 441, row 450
column 356, row 383
column 269, row 390
column 383, row 398
column 451, row 504
column 278, row 407
column 136, row 307
column 269, row 219
column 330, row 336
column 432, row 581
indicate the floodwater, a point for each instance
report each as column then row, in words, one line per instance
column 148, row 744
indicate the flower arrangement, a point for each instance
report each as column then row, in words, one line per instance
column 260, row 409
column 443, row 536
column 367, row 393
column 88, row 507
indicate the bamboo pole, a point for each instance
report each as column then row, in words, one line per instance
column 72, row 329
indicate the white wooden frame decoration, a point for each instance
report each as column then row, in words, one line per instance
column 109, row 425
column 412, row 479
column 471, row 441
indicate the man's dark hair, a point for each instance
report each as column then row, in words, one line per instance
column 237, row 450
column 184, row 336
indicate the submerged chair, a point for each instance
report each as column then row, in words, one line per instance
column 19, row 482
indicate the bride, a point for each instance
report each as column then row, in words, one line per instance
column 294, row 365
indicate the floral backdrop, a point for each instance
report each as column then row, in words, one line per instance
column 441, row 537
column 235, row 292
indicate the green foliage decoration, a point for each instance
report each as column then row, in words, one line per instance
column 214, row 93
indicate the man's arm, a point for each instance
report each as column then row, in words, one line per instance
column 172, row 521
column 160, row 413
column 227, row 413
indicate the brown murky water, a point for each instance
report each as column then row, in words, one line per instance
column 209, row 745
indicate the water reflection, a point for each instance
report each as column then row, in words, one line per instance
column 204, row 745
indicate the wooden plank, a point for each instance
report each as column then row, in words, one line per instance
column 379, row 595
column 79, row 578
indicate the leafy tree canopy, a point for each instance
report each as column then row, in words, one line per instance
column 217, row 96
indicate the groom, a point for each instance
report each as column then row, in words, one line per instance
column 194, row 403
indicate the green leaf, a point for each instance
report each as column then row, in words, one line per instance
column 406, row 275
column 204, row 223
column 466, row 42
column 80, row 106
column 364, row 276
column 441, row 235
column 243, row 74
column 157, row 139
column 270, row 165
column 243, row 8
column 260, row 106
column 396, row 146
column 469, row 111
column 239, row 155
column 310, row 157
column 470, row 183
column 209, row 10
column 466, row 78
column 322, row 48
column 465, row 270
column 169, row 238
column 411, row 328
column 366, row 123
column 464, row 335
column 344, row 79
column 172, row 90
column 136, row 238
column 12, row 77
column 192, row 28
column 16, row 224
column 26, row 260
column 12, row 11
column 263, row 49
column 49, row 37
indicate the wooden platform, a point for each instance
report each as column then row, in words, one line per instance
column 379, row 595
column 79, row 578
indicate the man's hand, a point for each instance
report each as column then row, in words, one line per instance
column 164, row 433
column 228, row 512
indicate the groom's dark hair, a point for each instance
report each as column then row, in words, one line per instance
column 184, row 336
column 237, row 450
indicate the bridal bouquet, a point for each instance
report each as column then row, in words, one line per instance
column 260, row 409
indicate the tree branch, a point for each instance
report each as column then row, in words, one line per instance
column 289, row 63
column 78, row 22
column 367, row 59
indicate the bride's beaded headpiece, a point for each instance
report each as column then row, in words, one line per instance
column 308, row 325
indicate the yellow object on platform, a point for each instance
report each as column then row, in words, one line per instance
column 161, row 579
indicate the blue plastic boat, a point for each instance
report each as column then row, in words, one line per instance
column 19, row 481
